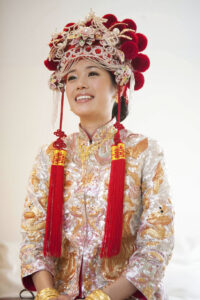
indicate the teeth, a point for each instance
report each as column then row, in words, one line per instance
column 83, row 97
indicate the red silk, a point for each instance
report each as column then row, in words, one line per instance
column 53, row 232
column 54, row 218
column 114, row 215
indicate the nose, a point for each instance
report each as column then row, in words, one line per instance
column 82, row 83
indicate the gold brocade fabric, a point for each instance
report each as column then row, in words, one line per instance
column 148, row 224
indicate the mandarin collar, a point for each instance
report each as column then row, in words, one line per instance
column 99, row 133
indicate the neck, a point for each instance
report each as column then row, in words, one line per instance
column 91, row 126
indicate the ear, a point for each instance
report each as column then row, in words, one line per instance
column 115, row 92
column 114, row 97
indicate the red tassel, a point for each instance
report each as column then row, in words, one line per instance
column 114, row 216
column 53, row 233
column 54, row 218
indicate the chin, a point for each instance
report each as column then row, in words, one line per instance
column 84, row 113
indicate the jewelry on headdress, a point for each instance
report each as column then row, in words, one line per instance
column 117, row 47
column 113, row 44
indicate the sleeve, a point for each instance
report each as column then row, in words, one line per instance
column 33, row 222
column 155, row 236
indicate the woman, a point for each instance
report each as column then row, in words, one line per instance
column 107, row 229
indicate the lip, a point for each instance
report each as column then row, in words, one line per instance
column 89, row 95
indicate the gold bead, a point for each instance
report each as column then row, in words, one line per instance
column 47, row 293
column 97, row 295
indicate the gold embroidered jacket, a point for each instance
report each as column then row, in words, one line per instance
column 148, row 222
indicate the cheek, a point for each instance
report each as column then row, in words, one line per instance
column 68, row 91
column 104, row 88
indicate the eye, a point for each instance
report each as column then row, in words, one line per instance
column 92, row 73
column 71, row 78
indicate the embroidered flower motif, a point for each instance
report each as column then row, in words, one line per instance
column 82, row 36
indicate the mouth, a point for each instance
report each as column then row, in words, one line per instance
column 83, row 98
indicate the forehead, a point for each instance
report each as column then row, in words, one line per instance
column 84, row 63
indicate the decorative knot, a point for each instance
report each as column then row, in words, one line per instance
column 118, row 126
column 59, row 144
column 60, row 133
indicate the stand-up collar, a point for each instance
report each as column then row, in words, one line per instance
column 99, row 133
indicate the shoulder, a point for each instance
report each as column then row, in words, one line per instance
column 69, row 140
column 138, row 143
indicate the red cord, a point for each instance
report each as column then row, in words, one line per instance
column 119, row 104
column 61, row 110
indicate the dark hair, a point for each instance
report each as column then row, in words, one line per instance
column 124, row 106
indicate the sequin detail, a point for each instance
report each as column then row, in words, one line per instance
column 148, row 236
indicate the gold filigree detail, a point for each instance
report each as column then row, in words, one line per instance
column 152, row 243
column 156, row 255
column 29, row 214
column 87, row 178
column 35, row 180
column 113, row 267
column 157, row 218
column 148, row 292
column 50, row 151
column 66, row 265
column 43, row 201
column 31, row 226
column 137, row 149
column 158, row 178
column 86, row 150
column 87, row 277
column 146, row 201
column 66, row 198
column 79, row 224
column 135, row 177
column 129, row 201
column 142, row 280
column 126, row 233
column 157, row 232
column 68, row 183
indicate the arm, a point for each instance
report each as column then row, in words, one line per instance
column 42, row 280
column 155, row 236
column 33, row 226
column 120, row 289
column 155, row 239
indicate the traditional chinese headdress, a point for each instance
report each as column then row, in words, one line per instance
column 117, row 47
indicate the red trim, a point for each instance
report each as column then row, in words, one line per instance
column 139, row 295
column 28, row 283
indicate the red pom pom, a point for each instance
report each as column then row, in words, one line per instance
column 110, row 20
column 130, row 23
column 51, row 65
column 142, row 41
column 118, row 25
column 130, row 49
column 88, row 23
column 51, row 44
column 132, row 35
column 139, row 80
column 141, row 63
column 69, row 24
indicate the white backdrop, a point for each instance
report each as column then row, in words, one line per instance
column 167, row 108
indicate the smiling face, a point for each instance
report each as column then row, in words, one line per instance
column 90, row 91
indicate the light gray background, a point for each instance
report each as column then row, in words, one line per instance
column 167, row 107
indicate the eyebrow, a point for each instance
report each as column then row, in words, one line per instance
column 89, row 67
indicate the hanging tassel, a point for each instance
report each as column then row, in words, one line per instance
column 114, row 216
column 54, row 218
